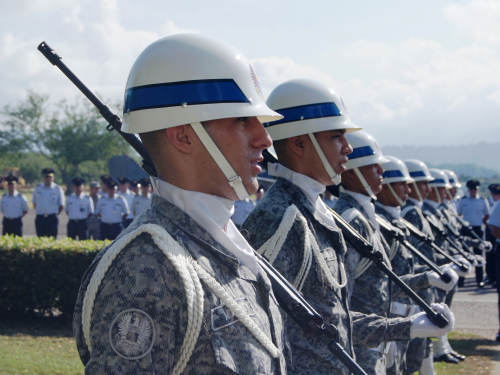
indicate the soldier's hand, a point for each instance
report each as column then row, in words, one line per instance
column 421, row 325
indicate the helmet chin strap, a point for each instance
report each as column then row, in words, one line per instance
column 398, row 199
column 437, row 194
column 418, row 192
column 449, row 195
column 336, row 179
column 364, row 183
column 232, row 178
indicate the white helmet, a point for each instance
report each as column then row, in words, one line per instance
column 452, row 178
column 191, row 78
column 396, row 171
column 440, row 180
column 419, row 172
column 308, row 107
column 366, row 151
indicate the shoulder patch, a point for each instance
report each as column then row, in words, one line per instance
column 132, row 334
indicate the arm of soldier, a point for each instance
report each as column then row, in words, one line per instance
column 125, row 208
column 33, row 199
column 459, row 207
column 24, row 205
column 139, row 317
column 98, row 208
column 369, row 331
column 416, row 282
column 495, row 231
column 61, row 200
column 133, row 205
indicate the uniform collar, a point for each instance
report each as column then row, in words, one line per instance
column 432, row 203
column 127, row 192
column 366, row 202
column 213, row 214
column 81, row 196
column 16, row 193
column 52, row 185
column 309, row 186
column 477, row 196
column 415, row 202
column 394, row 212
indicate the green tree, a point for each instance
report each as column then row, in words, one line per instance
column 69, row 137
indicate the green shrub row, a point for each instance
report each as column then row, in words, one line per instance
column 43, row 274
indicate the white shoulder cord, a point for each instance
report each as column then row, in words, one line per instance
column 190, row 273
column 272, row 247
column 373, row 238
column 232, row 177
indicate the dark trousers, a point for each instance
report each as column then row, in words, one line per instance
column 496, row 249
column 46, row 225
column 110, row 231
column 127, row 222
column 479, row 270
column 13, row 226
column 77, row 228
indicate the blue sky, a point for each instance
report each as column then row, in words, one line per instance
column 410, row 73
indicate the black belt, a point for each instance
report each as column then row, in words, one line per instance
column 13, row 218
column 110, row 224
column 49, row 215
column 77, row 220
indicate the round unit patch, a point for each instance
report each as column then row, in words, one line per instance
column 132, row 334
column 352, row 260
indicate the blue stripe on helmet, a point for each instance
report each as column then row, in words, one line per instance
column 360, row 152
column 190, row 92
column 395, row 173
column 438, row 181
column 452, row 180
column 306, row 112
column 417, row 174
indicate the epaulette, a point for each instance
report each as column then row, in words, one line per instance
column 465, row 196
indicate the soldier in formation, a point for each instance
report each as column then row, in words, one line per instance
column 14, row 206
column 181, row 291
column 48, row 201
column 79, row 207
column 112, row 210
column 142, row 201
column 93, row 222
column 129, row 197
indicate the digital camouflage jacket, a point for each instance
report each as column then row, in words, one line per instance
column 139, row 320
column 309, row 355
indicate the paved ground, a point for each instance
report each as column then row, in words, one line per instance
column 476, row 311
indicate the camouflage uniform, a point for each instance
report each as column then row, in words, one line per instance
column 142, row 278
column 371, row 293
column 403, row 263
column 413, row 214
column 310, row 355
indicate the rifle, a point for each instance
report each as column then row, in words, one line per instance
column 365, row 249
column 421, row 236
column 470, row 257
column 467, row 227
column 289, row 299
column 390, row 232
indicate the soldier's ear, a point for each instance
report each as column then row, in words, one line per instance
column 297, row 145
column 181, row 138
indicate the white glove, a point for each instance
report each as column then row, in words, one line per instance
column 480, row 261
column 421, row 326
column 486, row 246
column 462, row 260
column 457, row 269
column 435, row 280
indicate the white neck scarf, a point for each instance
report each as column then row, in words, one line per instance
column 366, row 202
column 395, row 212
column 432, row 203
column 309, row 186
column 417, row 202
column 212, row 214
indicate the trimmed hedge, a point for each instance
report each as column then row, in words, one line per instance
column 43, row 273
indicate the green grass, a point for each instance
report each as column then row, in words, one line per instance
column 43, row 347
column 478, row 350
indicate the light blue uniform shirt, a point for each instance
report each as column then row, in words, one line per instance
column 48, row 199
column 112, row 209
column 129, row 196
column 13, row 206
column 495, row 215
column 79, row 207
column 473, row 209
column 141, row 204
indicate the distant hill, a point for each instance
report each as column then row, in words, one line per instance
column 479, row 160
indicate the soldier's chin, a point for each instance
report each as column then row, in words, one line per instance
column 252, row 185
